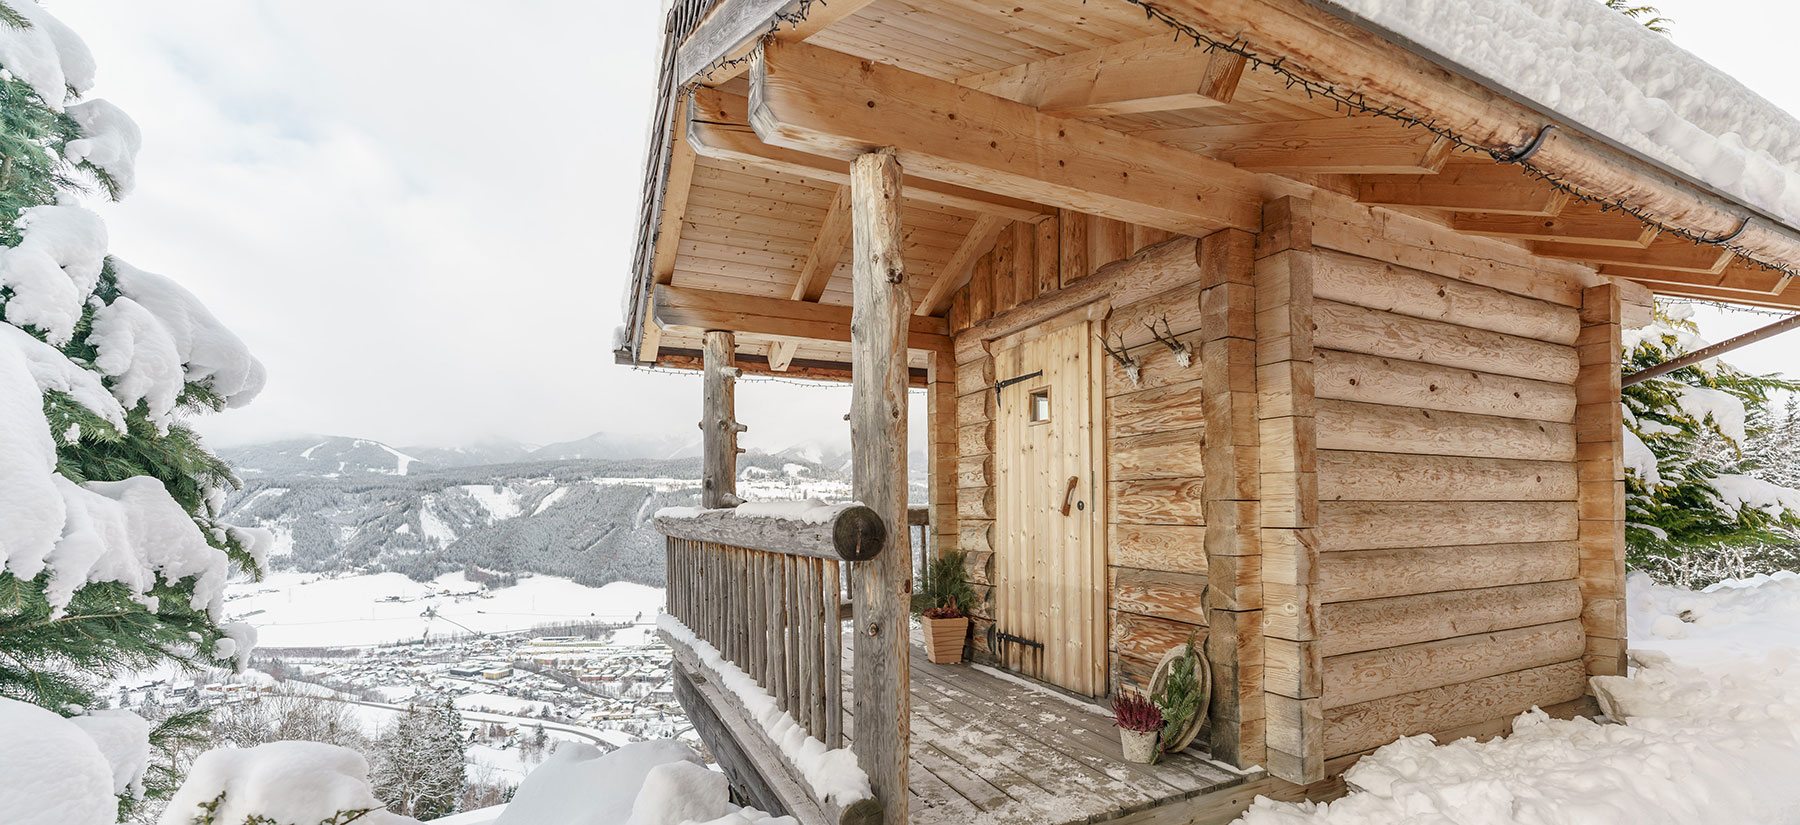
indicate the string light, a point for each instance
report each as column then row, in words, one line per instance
column 1348, row 101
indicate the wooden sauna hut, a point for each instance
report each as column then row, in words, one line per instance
column 1268, row 322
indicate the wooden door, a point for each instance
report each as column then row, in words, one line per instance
column 1050, row 569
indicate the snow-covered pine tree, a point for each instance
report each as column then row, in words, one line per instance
column 1695, row 446
column 112, row 557
column 419, row 767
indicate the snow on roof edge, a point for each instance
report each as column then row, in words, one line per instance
column 1693, row 122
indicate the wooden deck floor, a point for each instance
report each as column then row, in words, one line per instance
column 988, row 750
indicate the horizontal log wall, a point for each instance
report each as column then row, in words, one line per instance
column 1028, row 262
column 1448, row 515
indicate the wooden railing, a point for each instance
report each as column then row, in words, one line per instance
column 766, row 592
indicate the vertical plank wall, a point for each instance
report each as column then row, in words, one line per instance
column 1448, row 520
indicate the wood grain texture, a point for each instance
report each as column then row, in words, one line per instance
column 1371, row 379
column 1366, row 525
column 1401, row 571
column 1158, row 501
column 1170, row 454
column 1171, row 547
column 1376, row 332
column 1365, row 725
column 1360, row 476
column 1348, row 425
column 1350, row 627
column 1159, row 593
column 1359, row 281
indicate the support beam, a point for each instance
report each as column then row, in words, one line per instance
column 781, row 354
column 1581, row 223
column 719, row 128
column 718, row 425
column 883, row 706
column 1343, row 145
column 1738, row 277
column 826, row 103
column 827, row 249
column 701, row 310
column 1155, row 74
column 956, row 270
column 1714, row 351
column 1478, row 186
column 1600, row 468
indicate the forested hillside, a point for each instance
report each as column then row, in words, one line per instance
column 585, row 519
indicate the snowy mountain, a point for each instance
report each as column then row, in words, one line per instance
column 337, row 506
column 341, row 456
column 613, row 445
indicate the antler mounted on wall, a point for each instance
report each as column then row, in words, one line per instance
column 1123, row 356
column 1184, row 354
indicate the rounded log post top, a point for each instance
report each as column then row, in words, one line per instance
column 858, row 534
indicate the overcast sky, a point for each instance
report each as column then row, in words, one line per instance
column 419, row 213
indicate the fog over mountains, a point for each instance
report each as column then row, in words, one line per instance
column 579, row 509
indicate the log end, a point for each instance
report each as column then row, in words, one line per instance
column 861, row 812
column 858, row 534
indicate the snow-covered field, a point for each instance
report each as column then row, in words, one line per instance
column 1707, row 731
column 309, row 610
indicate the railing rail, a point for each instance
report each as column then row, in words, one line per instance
column 765, row 591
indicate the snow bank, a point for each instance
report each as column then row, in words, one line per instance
column 1606, row 74
column 51, row 772
column 284, row 781
column 660, row 782
column 833, row 773
column 124, row 739
column 47, row 55
column 1708, row 732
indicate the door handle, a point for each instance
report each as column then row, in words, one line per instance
column 1069, row 494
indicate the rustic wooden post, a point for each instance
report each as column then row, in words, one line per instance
column 881, row 307
column 718, row 425
column 1600, row 467
column 1293, row 672
column 1234, row 641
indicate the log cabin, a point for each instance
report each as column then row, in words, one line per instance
column 1271, row 323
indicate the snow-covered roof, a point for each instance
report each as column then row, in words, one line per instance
column 1609, row 76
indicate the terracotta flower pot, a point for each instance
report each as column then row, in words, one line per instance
column 1139, row 745
column 944, row 639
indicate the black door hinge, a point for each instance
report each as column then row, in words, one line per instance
column 1000, row 385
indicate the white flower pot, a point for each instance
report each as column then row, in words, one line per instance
column 1140, row 746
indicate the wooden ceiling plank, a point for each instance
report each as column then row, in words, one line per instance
column 827, row 249
column 1154, row 74
column 955, row 271
column 1739, row 277
column 687, row 309
column 821, row 102
column 1666, row 252
column 717, row 128
column 1479, row 186
column 1340, row 145
column 1580, row 223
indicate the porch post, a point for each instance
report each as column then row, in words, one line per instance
column 878, row 326
column 718, row 424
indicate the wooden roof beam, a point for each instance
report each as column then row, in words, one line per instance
column 1155, row 74
column 719, row 45
column 1667, row 252
column 1580, row 223
column 826, row 103
column 1479, row 186
column 957, row 269
column 1738, row 277
column 1343, row 145
column 718, row 128
column 685, row 309
column 827, row 249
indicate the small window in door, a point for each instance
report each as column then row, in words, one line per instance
column 1040, row 406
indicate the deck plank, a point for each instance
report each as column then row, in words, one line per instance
column 992, row 750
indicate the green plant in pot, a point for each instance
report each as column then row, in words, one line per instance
column 943, row 602
column 1181, row 687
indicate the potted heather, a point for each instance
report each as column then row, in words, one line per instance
column 1139, row 721
column 943, row 604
